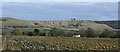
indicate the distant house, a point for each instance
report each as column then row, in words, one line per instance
column 76, row 35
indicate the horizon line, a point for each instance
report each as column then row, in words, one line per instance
column 61, row 20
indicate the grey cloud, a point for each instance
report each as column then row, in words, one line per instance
column 63, row 10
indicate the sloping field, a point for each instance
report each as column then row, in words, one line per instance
column 58, row 43
column 11, row 23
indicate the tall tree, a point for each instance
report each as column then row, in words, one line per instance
column 36, row 32
column 82, row 32
column 90, row 32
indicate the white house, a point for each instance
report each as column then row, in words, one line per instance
column 76, row 35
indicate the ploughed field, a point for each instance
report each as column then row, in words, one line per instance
column 58, row 43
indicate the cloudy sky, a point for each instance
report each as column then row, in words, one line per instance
column 60, row 0
column 44, row 11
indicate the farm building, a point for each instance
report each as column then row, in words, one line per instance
column 76, row 35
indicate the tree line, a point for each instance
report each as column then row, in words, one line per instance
column 56, row 32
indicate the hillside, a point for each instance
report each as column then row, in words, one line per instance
column 10, row 23
column 113, row 24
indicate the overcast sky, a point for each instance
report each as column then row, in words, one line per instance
column 60, row 0
column 42, row 11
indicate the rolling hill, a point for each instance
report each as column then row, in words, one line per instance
column 11, row 23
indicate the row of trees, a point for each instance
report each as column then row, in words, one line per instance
column 55, row 32
column 36, row 32
column 91, row 33
column 84, row 33
column 60, row 32
column 64, row 33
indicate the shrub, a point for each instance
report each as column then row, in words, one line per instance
column 36, row 30
column 20, row 32
column 15, row 32
column 42, row 33
column 30, row 33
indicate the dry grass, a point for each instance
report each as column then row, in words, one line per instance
column 59, row 43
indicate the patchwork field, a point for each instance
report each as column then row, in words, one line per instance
column 58, row 43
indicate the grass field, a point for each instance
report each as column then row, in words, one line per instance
column 58, row 43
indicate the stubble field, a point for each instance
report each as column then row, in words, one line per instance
column 58, row 43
